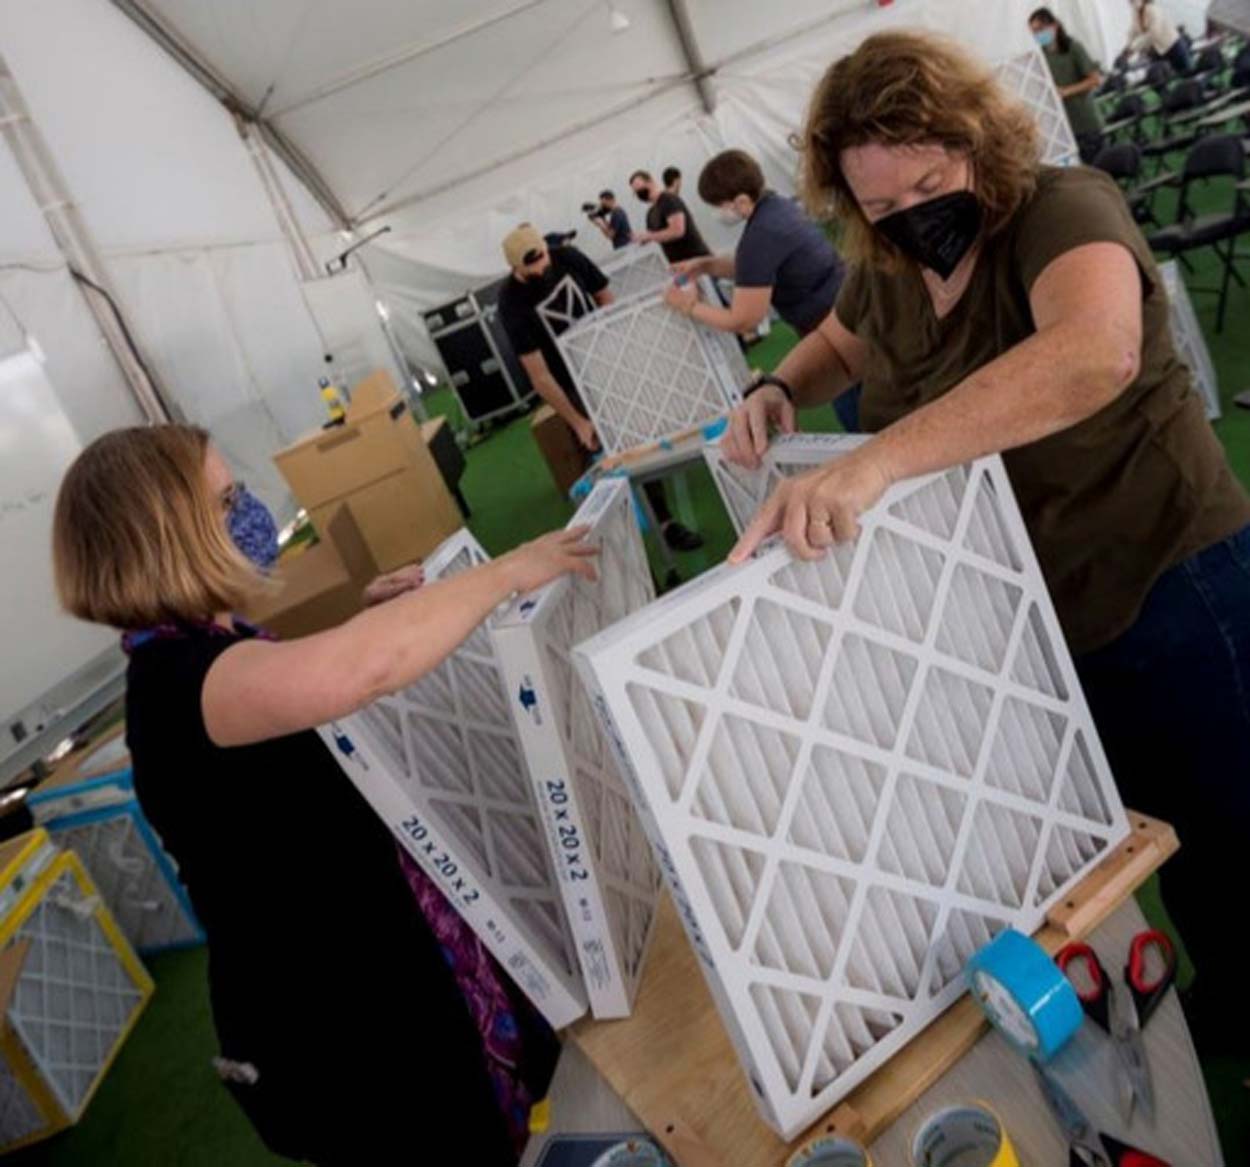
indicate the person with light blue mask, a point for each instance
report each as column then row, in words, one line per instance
column 1076, row 76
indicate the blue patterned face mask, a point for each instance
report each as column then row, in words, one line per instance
column 252, row 527
column 1045, row 37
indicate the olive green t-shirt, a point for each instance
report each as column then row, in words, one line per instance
column 1112, row 502
column 1067, row 69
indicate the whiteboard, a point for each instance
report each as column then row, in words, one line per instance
column 39, row 644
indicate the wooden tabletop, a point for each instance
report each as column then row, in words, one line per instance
column 673, row 1065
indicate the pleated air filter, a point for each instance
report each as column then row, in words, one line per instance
column 635, row 271
column 855, row 772
column 648, row 374
column 1027, row 76
column 1191, row 345
column 440, row 763
column 607, row 874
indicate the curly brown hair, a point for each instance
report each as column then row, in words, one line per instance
column 905, row 89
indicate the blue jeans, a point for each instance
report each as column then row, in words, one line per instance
column 1171, row 699
column 846, row 406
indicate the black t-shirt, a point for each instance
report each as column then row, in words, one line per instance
column 518, row 310
column 690, row 245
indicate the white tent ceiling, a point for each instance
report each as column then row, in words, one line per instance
column 447, row 121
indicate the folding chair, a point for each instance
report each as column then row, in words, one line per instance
column 1122, row 161
column 1182, row 96
column 1217, row 157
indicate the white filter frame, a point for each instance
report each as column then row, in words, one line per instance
column 744, row 491
column 1191, row 345
column 608, row 874
column 441, row 765
column 648, row 374
column 1027, row 76
column 855, row 772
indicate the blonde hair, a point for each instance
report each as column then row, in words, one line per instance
column 907, row 89
column 138, row 539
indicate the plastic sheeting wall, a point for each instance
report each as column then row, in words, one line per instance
column 174, row 203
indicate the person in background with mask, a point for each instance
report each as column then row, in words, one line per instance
column 228, row 767
column 1076, row 76
column 669, row 223
column 996, row 305
column 1154, row 32
column 612, row 221
column 783, row 259
column 671, row 177
column 565, row 277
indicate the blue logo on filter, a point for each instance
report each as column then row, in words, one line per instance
column 347, row 747
column 527, row 697
column 527, row 606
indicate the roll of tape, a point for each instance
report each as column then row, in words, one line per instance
column 632, row 1153
column 1024, row 994
column 963, row 1136
column 830, row 1151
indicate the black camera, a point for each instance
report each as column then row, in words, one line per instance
column 594, row 211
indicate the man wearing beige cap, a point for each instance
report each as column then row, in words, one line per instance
column 566, row 285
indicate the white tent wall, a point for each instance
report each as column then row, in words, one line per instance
column 37, row 290
column 175, row 206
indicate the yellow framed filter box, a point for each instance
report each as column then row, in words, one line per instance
column 71, row 989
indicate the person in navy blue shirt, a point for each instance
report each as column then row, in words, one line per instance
column 783, row 260
column 612, row 220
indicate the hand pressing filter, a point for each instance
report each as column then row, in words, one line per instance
column 820, row 508
column 681, row 297
column 550, row 556
column 750, row 425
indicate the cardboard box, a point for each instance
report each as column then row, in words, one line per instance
column 565, row 456
column 316, row 592
column 401, row 517
column 379, row 437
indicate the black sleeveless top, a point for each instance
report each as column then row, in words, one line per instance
column 318, row 952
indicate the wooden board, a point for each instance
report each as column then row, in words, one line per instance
column 673, row 1064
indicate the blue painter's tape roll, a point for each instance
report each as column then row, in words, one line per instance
column 713, row 430
column 1024, row 994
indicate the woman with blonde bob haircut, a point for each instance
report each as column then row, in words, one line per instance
column 998, row 305
column 342, row 1027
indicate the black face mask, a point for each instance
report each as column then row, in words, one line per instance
column 644, row 196
column 936, row 234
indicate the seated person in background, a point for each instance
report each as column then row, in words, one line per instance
column 669, row 223
column 783, row 259
column 1076, row 77
column 671, row 178
column 612, row 220
column 1154, row 32
column 564, row 276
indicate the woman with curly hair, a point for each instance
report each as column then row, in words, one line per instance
column 997, row 305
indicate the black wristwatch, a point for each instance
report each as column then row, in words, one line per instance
column 762, row 379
